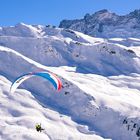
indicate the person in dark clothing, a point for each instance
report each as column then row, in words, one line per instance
column 38, row 127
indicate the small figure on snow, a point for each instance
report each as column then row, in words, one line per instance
column 38, row 127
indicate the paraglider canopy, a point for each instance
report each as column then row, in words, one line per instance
column 44, row 74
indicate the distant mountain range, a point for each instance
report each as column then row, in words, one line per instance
column 106, row 24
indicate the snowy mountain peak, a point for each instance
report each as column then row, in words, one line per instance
column 135, row 12
column 21, row 24
column 102, row 11
column 100, row 15
column 106, row 24
column 21, row 30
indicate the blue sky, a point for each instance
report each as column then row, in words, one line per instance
column 53, row 11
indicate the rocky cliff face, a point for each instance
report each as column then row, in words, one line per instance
column 106, row 24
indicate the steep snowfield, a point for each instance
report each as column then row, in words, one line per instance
column 61, row 47
column 100, row 94
column 20, row 112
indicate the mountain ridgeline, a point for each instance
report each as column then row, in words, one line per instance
column 106, row 24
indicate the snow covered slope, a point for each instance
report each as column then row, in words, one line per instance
column 100, row 94
column 19, row 117
column 61, row 47
column 106, row 24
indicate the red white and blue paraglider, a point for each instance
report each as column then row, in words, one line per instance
column 44, row 74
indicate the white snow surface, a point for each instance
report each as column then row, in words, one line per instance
column 20, row 111
column 101, row 85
